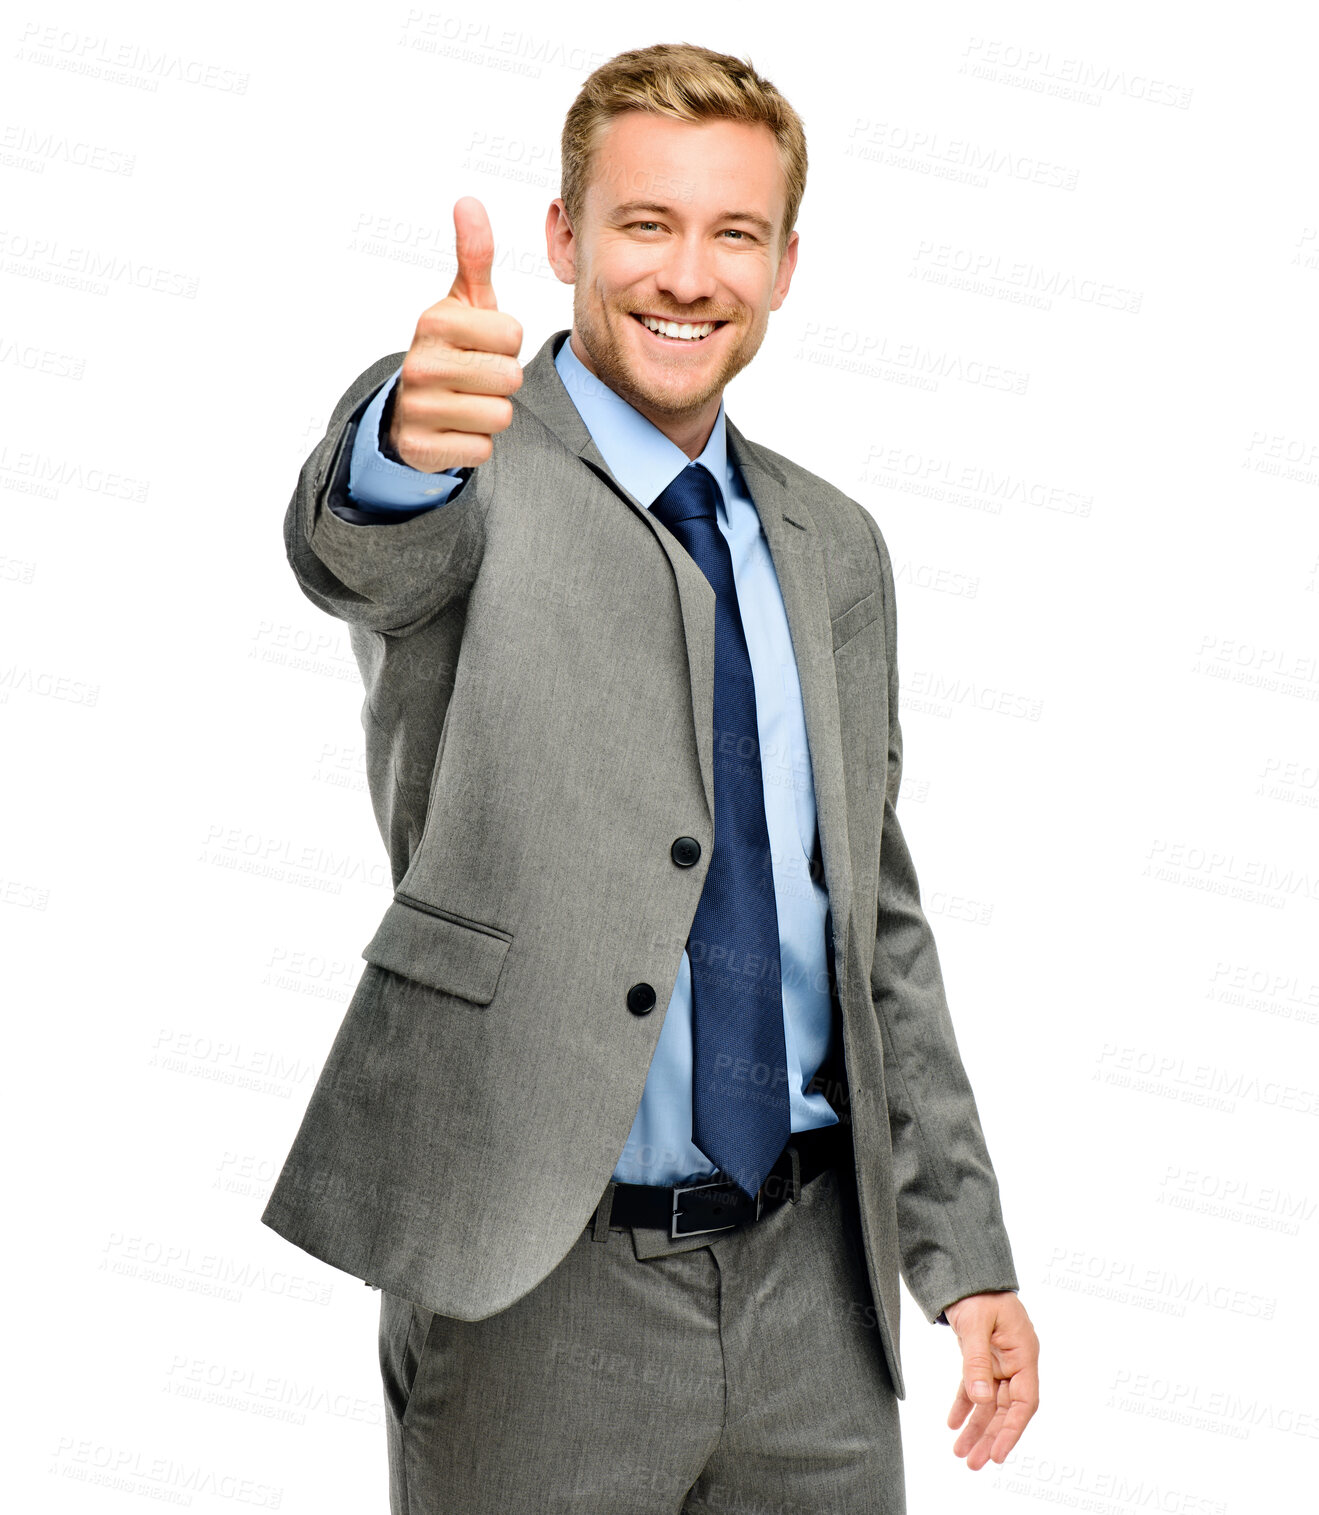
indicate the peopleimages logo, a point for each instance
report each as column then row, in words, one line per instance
column 97, row 55
column 50, row 261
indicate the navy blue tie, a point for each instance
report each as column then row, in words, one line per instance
column 740, row 1111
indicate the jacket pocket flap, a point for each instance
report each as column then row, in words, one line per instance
column 444, row 951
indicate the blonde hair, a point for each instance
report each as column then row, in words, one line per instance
column 684, row 82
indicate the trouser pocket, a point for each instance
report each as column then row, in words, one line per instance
column 404, row 1328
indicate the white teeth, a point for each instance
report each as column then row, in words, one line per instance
column 686, row 330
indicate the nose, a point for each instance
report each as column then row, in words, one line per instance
column 687, row 273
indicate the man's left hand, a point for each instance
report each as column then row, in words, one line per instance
column 1000, row 1385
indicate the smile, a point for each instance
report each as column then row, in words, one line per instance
column 678, row 331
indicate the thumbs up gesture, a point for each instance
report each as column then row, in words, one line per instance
column 452, row 395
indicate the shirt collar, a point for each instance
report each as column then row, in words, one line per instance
column 643, row 460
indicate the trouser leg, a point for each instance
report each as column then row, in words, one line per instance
column 601, row 1390
column 812, row 1421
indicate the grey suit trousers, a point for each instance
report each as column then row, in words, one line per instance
column 742, row 1370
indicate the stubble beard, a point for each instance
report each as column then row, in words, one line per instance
column 605, row 349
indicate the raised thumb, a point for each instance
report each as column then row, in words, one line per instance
column 474, row 243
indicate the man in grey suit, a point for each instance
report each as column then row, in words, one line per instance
column 648, row 1091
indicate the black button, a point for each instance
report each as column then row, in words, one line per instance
column 641, row 999
column 685, row 851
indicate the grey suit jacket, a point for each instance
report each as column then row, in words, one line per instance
column 538, row 658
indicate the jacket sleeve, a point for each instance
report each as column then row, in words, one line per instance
column 951, row 1237
column 392, row 580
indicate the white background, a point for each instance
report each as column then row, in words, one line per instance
column 1053, row 324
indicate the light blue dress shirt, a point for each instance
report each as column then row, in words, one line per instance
column 659, row 1148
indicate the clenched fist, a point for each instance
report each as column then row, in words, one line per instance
column 452, row 394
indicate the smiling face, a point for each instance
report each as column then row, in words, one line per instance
column 681, row 225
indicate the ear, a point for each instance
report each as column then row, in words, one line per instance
column 561, row 243
column 787, row 263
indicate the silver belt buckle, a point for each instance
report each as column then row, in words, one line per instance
column 728, row 1186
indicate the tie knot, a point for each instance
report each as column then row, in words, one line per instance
column 692, row 495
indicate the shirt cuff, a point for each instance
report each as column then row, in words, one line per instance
column 381, row 486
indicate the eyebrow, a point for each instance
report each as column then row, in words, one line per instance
column 759, row 222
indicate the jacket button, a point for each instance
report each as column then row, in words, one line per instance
column 641, row 999
column 685, row 851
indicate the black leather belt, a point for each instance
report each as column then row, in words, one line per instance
column 716, row 1203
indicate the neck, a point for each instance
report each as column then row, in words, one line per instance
column 689, row 431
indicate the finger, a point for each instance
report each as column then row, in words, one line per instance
column 1005, row 1438
column 474, row 243
column 978, row 1365
column 450, row 449
column 977, row 1440
column 449, row 324
column 456, row 412
column 447, row 368
column 961, row 1407
column 483, row 373
column 974, row 1433
column 1025, row 1400
column 1017, row 1405
column 428, row 446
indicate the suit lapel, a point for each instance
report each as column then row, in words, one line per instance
column 543, row 393
column 796, row 547
column 798, row 555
